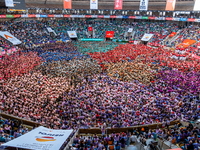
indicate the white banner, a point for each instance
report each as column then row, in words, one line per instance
column 93, row 4
column 130, row 30
column 72, row 34
column 49, row 29
column 7, row 36
column 197, row 5
column 147, row 37
column 40, row 138
column 144, row 4
column 9, row 3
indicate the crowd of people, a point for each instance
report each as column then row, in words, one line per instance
column 69, row 85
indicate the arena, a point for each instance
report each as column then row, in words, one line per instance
column 100, row 74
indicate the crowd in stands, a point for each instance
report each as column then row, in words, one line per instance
column 71, row 85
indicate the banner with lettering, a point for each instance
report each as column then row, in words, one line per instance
column 118, row 4
column 67, row 4
column 197, row 5
column 9, row 37
column 186, row 43
column 143, row 5
column 109, row 34
column 147, row 37
column 40, row 138
column 93, row 4
column 170, row 6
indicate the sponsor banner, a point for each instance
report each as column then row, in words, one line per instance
column 196, row 5
column 169, row 18
column 93, row 16
column 183, row 19
column 2, row 16
column 9, row 16
column 90, row 29
column 37, row 15
column 93, row 4
column 67, row 4
column 43, row 16
column 60, row 16
column 145, row 17
column 112, row 16
column 31, row 16
column 197, row 20
column 172, row 34
column 118, row 4
column 67, row 16
column 100, row 16
column 74, row 16
column 159, row 18
column 88, row 16
column 9, row 37
column 19, row 5
column 109, row 34
column 176, row 19
column 72, row 34
column 130, row 30
column 50, row 16
column 125, row 17
column 152, row 18
column 132, row 17
column 170, row 6
column 9, row 3
column 190, row 19
column 186, row 43
column 81, row 16
column 143, row 5
column 24, row 16
column 119, row 17
column 138, row 17
column 40, row 138
column 106, row 16
column 16, row 16
column 147, row 37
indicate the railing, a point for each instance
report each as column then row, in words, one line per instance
column 118, row 130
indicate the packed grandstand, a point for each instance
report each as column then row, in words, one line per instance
column 92, row 79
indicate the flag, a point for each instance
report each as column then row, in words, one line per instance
column 67, row 4
column 118, row 4
column 170, row 5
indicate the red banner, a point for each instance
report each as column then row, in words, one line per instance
column 172, row 34
column 191, row 20
column 168, row 18
column 112, row 16
column 90, row 28
column 132, row 17
column 31, row 16
column 51, row 16
column 186, row 43
column 118, row 4
column 88, row 16
column 152, row 18
column 67, row 16
column 100, row 16
column 16, row 16
column 109, row 34
column 67, row 4
column 170, row 6
column 2, row 16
